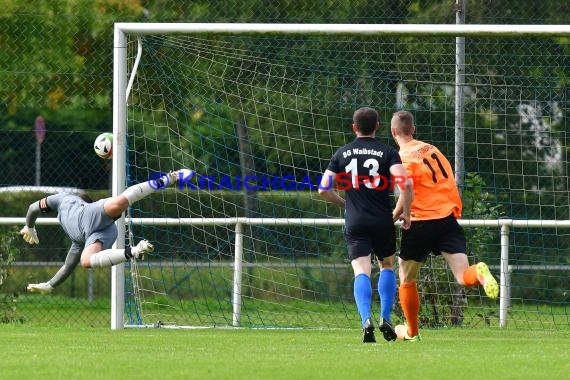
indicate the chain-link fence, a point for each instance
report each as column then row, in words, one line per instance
column 56, row 62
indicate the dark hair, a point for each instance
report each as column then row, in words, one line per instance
column 86, row 198
column 366, row 118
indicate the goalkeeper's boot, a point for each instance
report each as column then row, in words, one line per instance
column 487, row 280
column 142, row 248
column 368, row 332
column 172, row 178
column 42, row 288
column 387, row 330
column 180, row 175
column 402, row 333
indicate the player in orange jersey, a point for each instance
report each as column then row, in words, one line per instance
column 436, row 206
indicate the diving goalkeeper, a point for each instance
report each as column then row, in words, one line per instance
column 91, row 227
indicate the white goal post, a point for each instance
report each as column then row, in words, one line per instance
column 125, row 74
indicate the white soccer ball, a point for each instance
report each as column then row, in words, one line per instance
column 104, row 145
column 401, row 331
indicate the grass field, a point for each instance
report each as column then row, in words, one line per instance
column 215, row 353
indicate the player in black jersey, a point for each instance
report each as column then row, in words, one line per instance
column 368, row 170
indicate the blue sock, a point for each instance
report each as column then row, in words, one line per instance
column 387, row 290
column 363, row 296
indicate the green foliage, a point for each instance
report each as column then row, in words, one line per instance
column 8, row 253
column 479, row 204
column 65, row 45
column 56, row 61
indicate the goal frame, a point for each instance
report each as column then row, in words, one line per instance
column 121, row 85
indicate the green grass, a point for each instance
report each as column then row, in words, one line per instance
column 99, row 353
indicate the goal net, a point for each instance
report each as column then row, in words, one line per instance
column 258, row 110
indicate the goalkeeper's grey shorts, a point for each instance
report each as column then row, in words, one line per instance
column 97, row 225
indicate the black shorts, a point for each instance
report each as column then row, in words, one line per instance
column 365, row 240
column 432, row 236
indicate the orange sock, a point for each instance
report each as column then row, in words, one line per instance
column 470, row 276
column 410, row 301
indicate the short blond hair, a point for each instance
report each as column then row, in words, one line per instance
column 403, row 122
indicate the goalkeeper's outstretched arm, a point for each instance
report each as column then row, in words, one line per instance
column 29, row 231
column 33, row 213
column 71, row 261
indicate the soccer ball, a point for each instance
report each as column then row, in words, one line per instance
column 401, row 331
column 104, row 145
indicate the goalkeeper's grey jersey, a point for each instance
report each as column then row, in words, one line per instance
column 69, row 209
column 83, row 222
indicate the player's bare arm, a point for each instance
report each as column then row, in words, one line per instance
column 327, row 191
column 402, row 211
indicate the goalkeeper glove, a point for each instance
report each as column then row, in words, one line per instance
column 42, row 288
column 30, row 235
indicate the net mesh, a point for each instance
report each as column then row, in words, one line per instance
column 258, row 118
